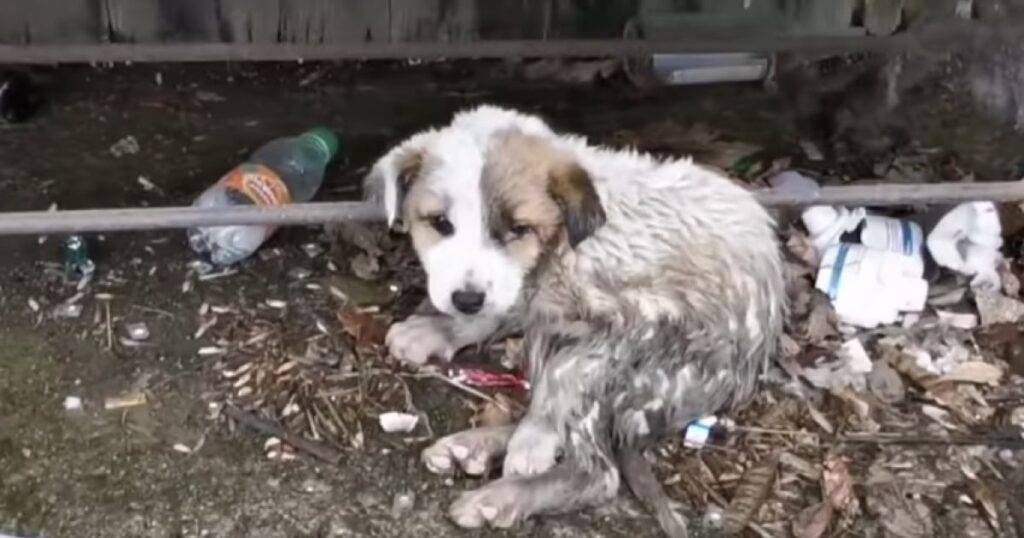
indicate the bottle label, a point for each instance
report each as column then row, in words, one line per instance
column 258, row 183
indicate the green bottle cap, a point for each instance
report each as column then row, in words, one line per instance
column 325, row 138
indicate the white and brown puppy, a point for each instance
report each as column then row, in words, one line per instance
column 649, row 293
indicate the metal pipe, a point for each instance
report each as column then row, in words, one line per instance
column 250, row 52
column 162, row 218
column 119, row 220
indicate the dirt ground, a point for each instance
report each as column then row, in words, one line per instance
column 118, row 473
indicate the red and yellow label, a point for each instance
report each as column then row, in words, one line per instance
column 258, row 183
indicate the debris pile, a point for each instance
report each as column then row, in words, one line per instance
column 907, row 424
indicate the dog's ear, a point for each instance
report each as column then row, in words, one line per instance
column 390, row 178
column 582, row 213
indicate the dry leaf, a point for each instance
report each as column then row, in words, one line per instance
column 994, row 307
column 838, row 485
column 1011, row 284
column 944, row 394
column 974, row 372
column 822, row 322
column 813, row 521
column 496, row 412
column 365, row 328
column 820, row 419
column 788, row 347
column 985, row 499
column 886, row 384
column 799, row 245
column 752, row 491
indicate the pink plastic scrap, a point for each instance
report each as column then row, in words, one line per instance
column 478, row 377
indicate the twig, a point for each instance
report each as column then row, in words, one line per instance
column 771, row 431
column 1008, row 441
column 410, row 407
column 152, row 310
column 724, row 505
column 110, row 329
column 319, row 450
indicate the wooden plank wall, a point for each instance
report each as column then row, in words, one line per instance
column 305, row 21
column 339, row 21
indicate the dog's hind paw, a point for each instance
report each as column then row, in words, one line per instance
column 533, row 449
column 502, row 503
column 474, row 451
column 419, row 338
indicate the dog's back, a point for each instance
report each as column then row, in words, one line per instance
column 666, row 313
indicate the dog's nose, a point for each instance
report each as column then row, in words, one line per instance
column 467, row 301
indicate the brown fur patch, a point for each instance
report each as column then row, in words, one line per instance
column 573, row 191
column 419, row 205
column 530, row 185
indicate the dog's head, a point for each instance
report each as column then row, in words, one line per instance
column 485, row 200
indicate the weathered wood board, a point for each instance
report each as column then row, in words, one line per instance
column 341, row 21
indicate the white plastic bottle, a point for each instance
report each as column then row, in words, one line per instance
column 828, row 225
column 280, row 172
column 869, row 286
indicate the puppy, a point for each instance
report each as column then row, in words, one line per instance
column 649, row 293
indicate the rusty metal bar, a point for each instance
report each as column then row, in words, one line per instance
column 136, row 219
column 278, row 52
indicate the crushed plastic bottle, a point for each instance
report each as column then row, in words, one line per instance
column 282, row 171
column 76, row 258
column 828, row 225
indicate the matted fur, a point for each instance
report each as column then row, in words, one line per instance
column 649, row 292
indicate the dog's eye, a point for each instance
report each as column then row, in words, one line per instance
column 442, row 225
column 518, row 231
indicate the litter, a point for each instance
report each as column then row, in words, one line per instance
column 393, row 421
column 281, row 172
column 709, row 68
column 69, row 311
column 75, row 256
column 73, row 403
column 126, row 146
column 830, row 225
column 870, row 287
column 483, row 378
column 124, row 401
column 872, row 267
column 968, row 240
column 706, row 430
column 137, row 331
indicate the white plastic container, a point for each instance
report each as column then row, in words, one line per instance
column 870, row 287
column 827, row 224
column 968, row 240
column 709, row 68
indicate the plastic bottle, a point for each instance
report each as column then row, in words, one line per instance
column 280, row 172
column 869, row 286
column 828, row 225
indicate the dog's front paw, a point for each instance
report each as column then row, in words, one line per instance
column 502, row 503
column 533, row 449
column 419, row 338
column 474, row 451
